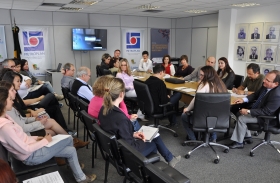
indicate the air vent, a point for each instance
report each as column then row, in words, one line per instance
column 152, row 11
column 83, row 2
column 70, row 9
column 53, row 4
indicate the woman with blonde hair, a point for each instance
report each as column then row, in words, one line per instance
column 122, row 128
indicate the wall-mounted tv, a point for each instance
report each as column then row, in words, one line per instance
column 84, row 39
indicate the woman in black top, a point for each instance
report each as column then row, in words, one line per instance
column 226, row 73
column 185, row 69
column 113, row 120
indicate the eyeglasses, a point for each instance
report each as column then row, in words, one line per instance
column 13, row 66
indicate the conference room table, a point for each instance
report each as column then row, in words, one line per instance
column 187, row 89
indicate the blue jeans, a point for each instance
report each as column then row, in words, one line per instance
column 48, row 85
column 63, row 149
column 136, row 125
column 157, row 145
column 174, row 99
column 188, row 125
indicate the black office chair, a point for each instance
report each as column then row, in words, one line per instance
column 65, row 92
column 238, row 80
column 131, row 103
column 98, row 71
column 82, row 105
column 268, row 129
column 146, row 105
column 106, row 72
column 74, row 106
column 88, row 121
column 211, row 113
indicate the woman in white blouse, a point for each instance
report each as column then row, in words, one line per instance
column 210, row 82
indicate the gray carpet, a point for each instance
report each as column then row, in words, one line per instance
column 235, row 166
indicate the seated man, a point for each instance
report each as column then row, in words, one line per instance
column 267, row 102
column 253, row 82
column 80, row 87
column 194, row 76
column 68, row 71
column 145, row 63
column 159, row 93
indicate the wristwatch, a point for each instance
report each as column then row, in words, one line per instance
column 248, row 111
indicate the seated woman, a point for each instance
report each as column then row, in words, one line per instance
column 36, row 126
column 125, row 75
column 105, row 60
column 226, row 73
column 114, row 65
column 169, row 67
column 185, row 69
column 31, row 150
column 210, row 83
column 24, row 70
column 97, row 101
column 122, row 128
column 6, row 173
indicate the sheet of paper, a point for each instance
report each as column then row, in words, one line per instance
column 236, row 95
column 56, row 139
column 138, row 77
column 189, row 90
column 53, row 177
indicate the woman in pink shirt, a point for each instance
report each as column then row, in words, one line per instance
column 31, row 150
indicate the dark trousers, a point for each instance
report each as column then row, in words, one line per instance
column 37, row 93
column 174, row 100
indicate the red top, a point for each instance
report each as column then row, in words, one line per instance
column 167, row 69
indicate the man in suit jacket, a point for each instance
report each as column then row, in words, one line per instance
column 268, row 54
column 241, row 34
column 271, row 34
column 255, row 35
column 267, row 102
column 254, row 54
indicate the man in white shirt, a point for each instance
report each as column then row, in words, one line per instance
column 145, row 63
column 80, row 87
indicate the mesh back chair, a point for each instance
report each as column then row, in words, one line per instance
column 211, row 113
column 75, row 108
column 269, row 129
column 88, row 122
column 65, row 92
column 82, row 105
column 146, row 105
column 238, row 80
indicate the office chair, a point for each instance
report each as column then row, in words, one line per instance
column 82, row 105
column 268, row 128
column 74, row 106
column 238, row 80
column 146, row 105
column 98, row 71
column 88, row 121
column 65, row 92
column 106, row 72
column 211, row 113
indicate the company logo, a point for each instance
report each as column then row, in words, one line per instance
column 133, row 40
column 33, row 40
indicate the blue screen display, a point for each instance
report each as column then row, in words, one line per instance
column 84, row 39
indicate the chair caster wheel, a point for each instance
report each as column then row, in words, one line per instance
column 252, row 154
column 175, row 135
column 216, row 161
column 187, row 156
column 184, row 144
column 226, row 151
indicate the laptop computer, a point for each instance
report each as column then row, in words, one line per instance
column 56, row 70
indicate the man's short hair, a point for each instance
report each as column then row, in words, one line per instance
column 117, row 50
column 145, row 53
column 82, row 71
column 158, row 68
column 67, row 66
column 254, row 67
column 5, row 62
column 277, row 77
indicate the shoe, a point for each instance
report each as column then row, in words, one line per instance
column 248, row 141
column 60, row 161
column 72, row 133
column 89, row 178
column 191, row 143
column 79, row 143
column 143, row 119
column 171, row 125
column 174, row 161
column 60, row 105
column 236, row 145
column 59, row 97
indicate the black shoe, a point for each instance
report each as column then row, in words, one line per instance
column 191, row 143
column 236, row 145
column 171, row 125
column 248, row 141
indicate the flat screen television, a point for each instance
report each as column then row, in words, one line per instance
column 84, row 39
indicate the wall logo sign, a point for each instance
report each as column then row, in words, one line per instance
column 133, row 41
column 33, row 40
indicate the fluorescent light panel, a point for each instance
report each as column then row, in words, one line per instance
column 83, row 2
column 195, row 11
column 242, row 5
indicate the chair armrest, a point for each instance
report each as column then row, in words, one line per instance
column 164, row 105
column 267, row 117
column 189, row 113
column 267, row 120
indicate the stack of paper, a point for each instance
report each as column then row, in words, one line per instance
column 185, row 89
column 53, row 177
column 149, row 132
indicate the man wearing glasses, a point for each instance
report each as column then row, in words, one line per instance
column 68, row 72
column 80, row 87
column 267, row 103
column 9, row 63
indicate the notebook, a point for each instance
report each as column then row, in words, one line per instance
column 57, row 69
column 174, row 80
column 149, row 132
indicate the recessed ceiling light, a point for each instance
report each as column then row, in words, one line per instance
column 242, row 5
column 147, row 7
column 83, row 2
column 195, row 11
column 70, row 8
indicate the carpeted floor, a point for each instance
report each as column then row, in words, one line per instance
column 235, row 166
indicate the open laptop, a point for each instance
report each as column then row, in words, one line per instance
column 56, row 70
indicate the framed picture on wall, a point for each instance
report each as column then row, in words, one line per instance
column 254, row 52
column 269, row 53
column 277, row 67
column 241, row 32
column 271, row 32
column 240, row 51
column 255, row 30
column 278, row 55
column 266, row 69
